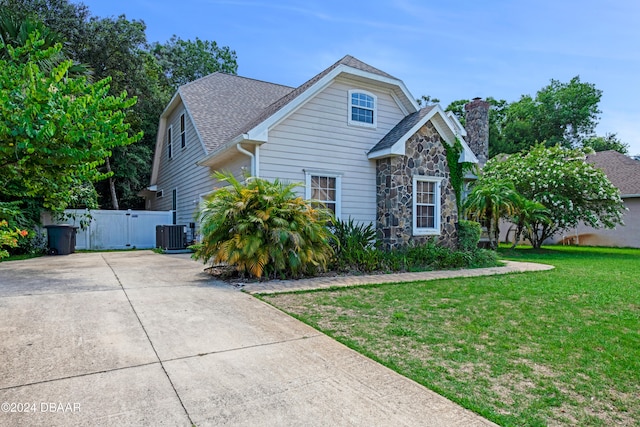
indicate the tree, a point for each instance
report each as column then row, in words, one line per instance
column 117, row 48
column 560, row 113
column 526, row 214
column 60, row 16
column 571, row 189
column 264, row 228
column 425, row 100
column 56, row 130
column 608, row 142
column 15, row 31
column 185, row 60
column 490, row 200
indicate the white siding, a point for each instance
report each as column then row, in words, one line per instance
column 181, row 172
column 317, row 137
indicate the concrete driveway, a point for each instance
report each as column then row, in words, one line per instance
column 137, row 338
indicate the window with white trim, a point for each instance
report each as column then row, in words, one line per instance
column 426, row 205
column 362, row 108
column 169, row 141
column 326, row 189
column 183, row 133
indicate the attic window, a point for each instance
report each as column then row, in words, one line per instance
column 158, row 194
column 362, row 108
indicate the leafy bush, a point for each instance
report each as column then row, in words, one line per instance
column 9, row 238
column 469, row 233
column 23, row 216
column 422, row 257
column 264, row 229
column 483, row 258
column 355, row 247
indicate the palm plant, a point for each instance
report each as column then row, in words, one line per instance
column 528, row 214
column 489, row 201
column 264, row 228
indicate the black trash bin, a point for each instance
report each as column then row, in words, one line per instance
column 61, row 238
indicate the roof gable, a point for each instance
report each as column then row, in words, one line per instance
column 394, row 142
column 257, row 128
column 622, row 171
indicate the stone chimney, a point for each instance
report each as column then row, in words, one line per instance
column 477, row 126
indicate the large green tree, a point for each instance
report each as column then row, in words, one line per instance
column 55, row 130
column 186, row 60
column 117, row 47
column 60, row 16
column 608, row 142
column 560, row 113
column 564, row 113
column 559, row 178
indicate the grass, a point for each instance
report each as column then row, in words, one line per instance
column 559, row 347
column 21, row 257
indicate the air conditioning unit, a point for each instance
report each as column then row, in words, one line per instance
column 171, row 237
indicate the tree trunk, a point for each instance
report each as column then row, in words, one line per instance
column 112, row 188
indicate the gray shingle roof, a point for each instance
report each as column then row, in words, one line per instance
column 622, row 171
column 401, row 129
column 220, row 104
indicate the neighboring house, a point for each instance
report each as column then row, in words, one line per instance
column 353, row 134
column 624, row 173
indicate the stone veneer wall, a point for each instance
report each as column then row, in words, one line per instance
column 425, row 155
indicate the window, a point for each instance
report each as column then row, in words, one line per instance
column 325, row 188
column 426, row 205
column 183, row 134
column 362, row 108
column 169, row 152
column 158, row 194
column 174, row 206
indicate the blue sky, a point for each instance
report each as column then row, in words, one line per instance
column 449, row 50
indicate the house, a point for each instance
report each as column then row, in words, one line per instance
column 624, row 173
column 353, row 135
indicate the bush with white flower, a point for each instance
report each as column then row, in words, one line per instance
column 570, row 188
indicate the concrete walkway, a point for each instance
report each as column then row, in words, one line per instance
column 279, row 286
column 136, row 338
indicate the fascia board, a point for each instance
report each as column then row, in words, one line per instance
column 395, row 151
column 462, row 131
column 225, row 148
column 447, row 132
column 398, row 149
column 157, row 156
column 162, row 126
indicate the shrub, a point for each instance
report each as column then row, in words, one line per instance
column 469, row 233
column 23, row 217
column 483, row 258
column 264, row 229
column 355, row 247
column 8, row 238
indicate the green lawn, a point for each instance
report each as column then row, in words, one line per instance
column 559, row 347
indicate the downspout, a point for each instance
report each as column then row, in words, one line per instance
column 250, row 154
column 257, row 164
